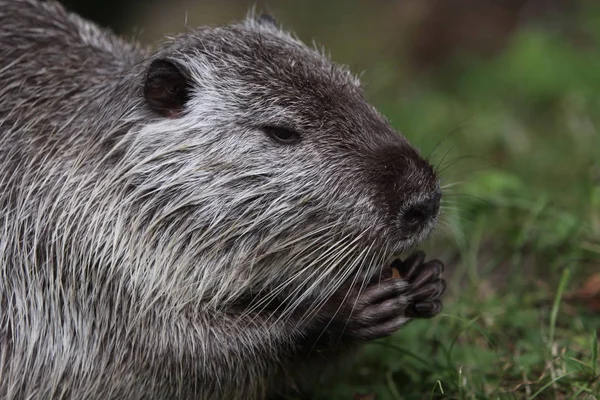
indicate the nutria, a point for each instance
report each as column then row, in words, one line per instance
column 198, row 221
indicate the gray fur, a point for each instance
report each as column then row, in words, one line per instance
column 129, row 241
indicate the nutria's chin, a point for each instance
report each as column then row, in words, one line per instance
column 192, row 222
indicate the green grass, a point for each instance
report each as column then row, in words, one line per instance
column 517, row 139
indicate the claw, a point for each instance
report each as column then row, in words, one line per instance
column 429, row 292
column 426, row 309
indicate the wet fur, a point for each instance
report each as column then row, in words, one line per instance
column 145, row 256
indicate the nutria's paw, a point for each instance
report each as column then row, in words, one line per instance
column 378, row 311
column 426, row 285
column 380, row 307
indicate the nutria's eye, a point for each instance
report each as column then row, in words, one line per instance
column 282, row 135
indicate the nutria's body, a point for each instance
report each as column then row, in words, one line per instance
column 194, row 222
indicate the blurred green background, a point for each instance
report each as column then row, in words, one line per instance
column 505, row 98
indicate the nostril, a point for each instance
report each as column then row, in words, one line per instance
column 415, row 216
column 418, row 214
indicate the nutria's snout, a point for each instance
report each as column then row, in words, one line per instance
column 409, row 190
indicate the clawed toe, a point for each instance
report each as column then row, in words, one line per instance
column 425, row 309
column 426, row 285
column 431, row 291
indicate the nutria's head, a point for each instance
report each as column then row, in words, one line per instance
column 262, row 167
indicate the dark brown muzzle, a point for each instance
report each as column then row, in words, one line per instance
column 409, row 188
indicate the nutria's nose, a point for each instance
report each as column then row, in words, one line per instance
column 408, row 189
column 416, row 215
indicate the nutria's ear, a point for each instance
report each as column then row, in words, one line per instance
column 166, row 88
column 267, row 19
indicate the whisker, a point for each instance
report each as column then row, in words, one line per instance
column 334, row 264
column 335, row 284
column 356, row 276
column 299, row 287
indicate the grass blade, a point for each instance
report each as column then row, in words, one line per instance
column 594, row 354
column 555, row 307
